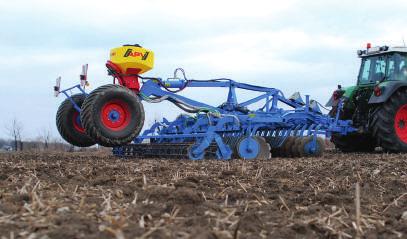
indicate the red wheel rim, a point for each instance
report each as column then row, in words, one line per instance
column 115, row 115
column 76, row 119
column 400, row 123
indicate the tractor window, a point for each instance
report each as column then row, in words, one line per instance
column 373, row 69
column 380, row 70
column 365, row 71
column 402, row 69
column 402, row 65
column 391, row 69
column 397, row 67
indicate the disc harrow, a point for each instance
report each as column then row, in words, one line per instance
column 231, row 130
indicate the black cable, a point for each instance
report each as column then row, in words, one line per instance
column 185, row 109
column 212, row 80
column 182, row 71
column 181, row 106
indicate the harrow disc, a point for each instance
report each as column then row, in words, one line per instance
column 264, row 148
column 299, row 147
column 311, row 148
column 295, row 149
column 287, row 147
column 249, row 147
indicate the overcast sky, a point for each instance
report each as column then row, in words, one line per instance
column 307, row 46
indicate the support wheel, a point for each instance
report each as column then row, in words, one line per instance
column 69, row 123
column 389, row 124
column 112, row 115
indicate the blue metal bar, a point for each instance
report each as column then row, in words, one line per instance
column 151, row 88
column 254, row 100
column 77, row 108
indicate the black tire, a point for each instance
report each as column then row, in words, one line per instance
column 384, row 123
column 354, row 143
column 69, row 128
column 95, row 115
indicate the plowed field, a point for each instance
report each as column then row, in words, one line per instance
column 78, row 195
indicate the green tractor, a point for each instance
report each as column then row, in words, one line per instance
column 377, row 104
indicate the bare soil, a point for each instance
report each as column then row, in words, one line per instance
column 90, row 195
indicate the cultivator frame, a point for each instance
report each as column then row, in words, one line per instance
column 230, row 130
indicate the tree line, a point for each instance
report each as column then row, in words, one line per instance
column 43, row 142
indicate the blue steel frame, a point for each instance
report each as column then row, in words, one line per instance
column 215, row 124
column 69, row 96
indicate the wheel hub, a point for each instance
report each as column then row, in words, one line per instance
column 115, row 115
column 77, row 124
column 400, row 123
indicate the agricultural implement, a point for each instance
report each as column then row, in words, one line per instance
column 268, row 123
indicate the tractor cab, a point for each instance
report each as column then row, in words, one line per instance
column 382, row 64
column 382, row 70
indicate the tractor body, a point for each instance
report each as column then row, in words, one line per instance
column 377, row 103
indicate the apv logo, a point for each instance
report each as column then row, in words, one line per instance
column 130, row 53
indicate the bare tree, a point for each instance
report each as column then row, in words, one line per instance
column 45, row 137
column 14, row 130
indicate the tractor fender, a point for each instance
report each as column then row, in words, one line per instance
column 388, row 88
column 344, row 92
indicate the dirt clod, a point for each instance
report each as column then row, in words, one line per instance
column 186, row 196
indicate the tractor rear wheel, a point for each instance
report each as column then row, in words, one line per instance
column 112, row 115
column 69, row 123
column 389, row 123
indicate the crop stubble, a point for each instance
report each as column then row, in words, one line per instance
column 78, row 195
